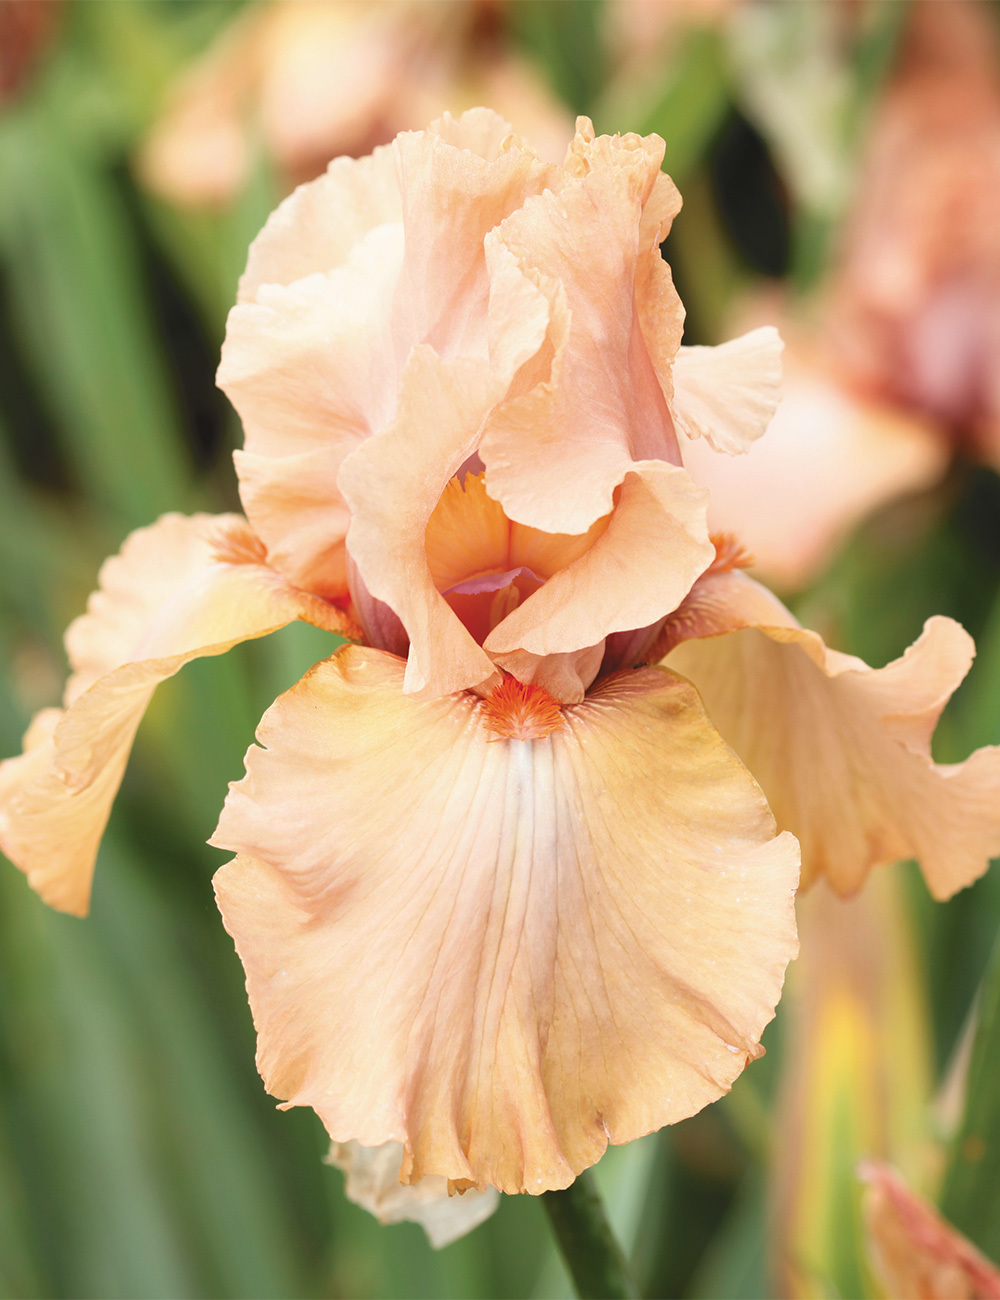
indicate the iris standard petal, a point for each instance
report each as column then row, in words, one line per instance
column 316, row 227
column 598, row 406
column 311, row 370
column 641, row 566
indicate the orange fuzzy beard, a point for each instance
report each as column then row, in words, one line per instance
column 730, row 553
column 519, row 712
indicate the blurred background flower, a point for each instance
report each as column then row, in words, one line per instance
column 839, row 165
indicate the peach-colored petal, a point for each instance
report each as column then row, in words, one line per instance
column 50, row 829
column 826, row 460
column 601, row 405
column 372, row 1181
column 469, row 535
column 728, row 394
column 538, row 948
column 314, row 365
column 394, row 481
column 459, row 179
column 720, row 601
column 640, row 567
column 470, row 542
column 392, row 484
column 919, row 1255
column 843, row 750
column 180, row 589
column 310, row 369
column 316, row 227
column 565, row 676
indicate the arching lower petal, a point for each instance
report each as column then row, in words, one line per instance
column 372, row 1181
column 183, row 588
column 842, row 750
column 502, row 954
column 728, row 394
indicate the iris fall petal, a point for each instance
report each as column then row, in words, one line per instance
column 181, row 589
column 842, row 750
column 502, row 954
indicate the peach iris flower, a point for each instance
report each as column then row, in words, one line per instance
column 503, row 892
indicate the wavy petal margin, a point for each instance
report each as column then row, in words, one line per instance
column 502, row 954
column 183, row 588
column 829, row 458
column 356, row 270
column 842, row 750
column 600, row 406
column 728, row 394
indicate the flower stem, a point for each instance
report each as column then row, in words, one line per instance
column 587, row 1244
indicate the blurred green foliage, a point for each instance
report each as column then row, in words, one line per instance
column 139, row 1155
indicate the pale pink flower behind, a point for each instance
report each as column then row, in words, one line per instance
column 896, row 366
column 916, row 307
column 308, row 80
column 917, row 1253
column 830, row 458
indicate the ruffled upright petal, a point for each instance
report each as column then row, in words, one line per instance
column 311, row 370
column 597, row 404
column 842, row 750
column 352, row 275
column 178, row 590
column 316, row 227
column 459, row 180
column 502, row 954
column 392, row 484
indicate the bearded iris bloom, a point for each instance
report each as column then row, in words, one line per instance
column 505, row 888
